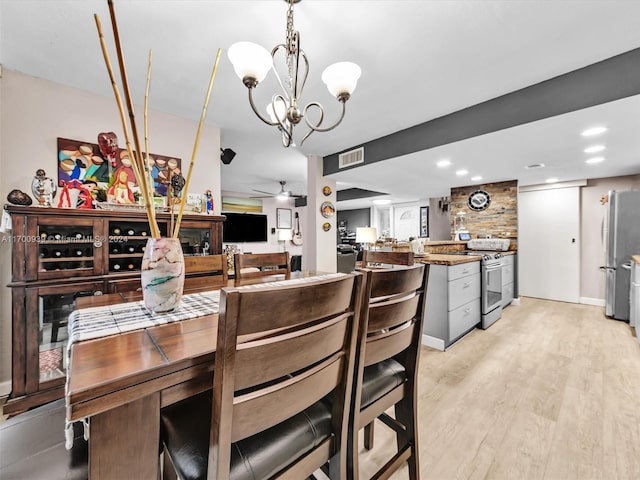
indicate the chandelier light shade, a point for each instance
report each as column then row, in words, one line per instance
column 252, row 63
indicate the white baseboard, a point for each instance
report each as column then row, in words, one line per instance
column 433, row 342
column 596, row 302
column 515, row 301
column 5, row 388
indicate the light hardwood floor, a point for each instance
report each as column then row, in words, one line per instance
column 551, row 391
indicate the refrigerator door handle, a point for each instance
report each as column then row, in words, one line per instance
column 626, row 266
column 605, row 268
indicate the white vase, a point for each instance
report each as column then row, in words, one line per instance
column 162, row 274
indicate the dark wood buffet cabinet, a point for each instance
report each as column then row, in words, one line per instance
column 59, row 255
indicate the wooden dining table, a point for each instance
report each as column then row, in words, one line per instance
column 120, row 383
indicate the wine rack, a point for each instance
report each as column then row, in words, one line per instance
column 61, row 254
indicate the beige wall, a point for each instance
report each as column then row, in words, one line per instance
column 35, row 112
column 592, row 281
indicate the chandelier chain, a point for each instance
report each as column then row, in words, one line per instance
column 292, row 46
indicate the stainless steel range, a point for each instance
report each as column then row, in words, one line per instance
column 490, row 277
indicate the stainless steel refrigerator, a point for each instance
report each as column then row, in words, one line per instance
column 622, row 240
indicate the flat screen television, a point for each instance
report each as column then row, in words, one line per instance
column 244, row 227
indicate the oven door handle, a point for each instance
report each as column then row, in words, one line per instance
column 493, row 267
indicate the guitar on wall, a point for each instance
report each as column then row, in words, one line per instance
column 296, row 239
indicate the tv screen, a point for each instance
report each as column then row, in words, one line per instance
column 244, row 227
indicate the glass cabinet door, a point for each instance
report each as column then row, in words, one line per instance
column 54, row 307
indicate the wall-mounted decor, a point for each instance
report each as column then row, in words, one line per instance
column 424, row 222
column 479, row 200
column 283, row 218
column 326, row 226
column 327, row 209
column 84, row 161
column 326, row 191
column 240, row 204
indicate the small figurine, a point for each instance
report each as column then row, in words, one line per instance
column 43, row 188
column 209, row 197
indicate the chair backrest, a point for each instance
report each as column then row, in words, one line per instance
column 393, row 311
column 370, row 257
column 205, row 272
column 254, row 265
column 280, row 349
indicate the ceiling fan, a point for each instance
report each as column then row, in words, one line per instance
column 282, row 193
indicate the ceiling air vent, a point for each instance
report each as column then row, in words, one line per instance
column 353, row 157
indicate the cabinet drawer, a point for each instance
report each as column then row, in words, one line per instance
column 462, row 270
column 464, row 318
column 463, row 290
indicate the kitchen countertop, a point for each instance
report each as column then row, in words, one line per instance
column 636, row 258
column 444, row 259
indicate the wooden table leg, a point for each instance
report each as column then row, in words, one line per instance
column 123, row 441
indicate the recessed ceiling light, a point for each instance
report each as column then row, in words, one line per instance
column 551, row 180
column 477, row 178
column 590, row 132
column 444, row 163
column 535, row 165
column 594, row 149
column 381, row 201
column 595, row 160
column 462, row 172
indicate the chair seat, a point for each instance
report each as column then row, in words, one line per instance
column 32, row 446
column 379, row 379
column 186, row 428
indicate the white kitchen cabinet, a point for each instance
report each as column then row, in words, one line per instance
column 508, row 271
column 453, row 303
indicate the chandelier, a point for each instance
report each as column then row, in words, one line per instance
column 252, row 63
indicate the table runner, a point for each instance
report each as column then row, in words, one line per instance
column 96, row 322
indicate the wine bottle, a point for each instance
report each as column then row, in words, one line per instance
column 143, row 233
column 131, row 266
column 141, row 248
column 115, row 248
column 131, row 231
column 44, row 253
column 77, row 235
column 130, row 249
column 43, row 235
column 117, row 267
column 88, row 252
column 77, row 252
column 116, row 231
column 57, row 236
column 60, row 252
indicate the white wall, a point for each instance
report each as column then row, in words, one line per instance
column 269, row 206
column 36, row 112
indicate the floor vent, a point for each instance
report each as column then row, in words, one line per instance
column 353, row 157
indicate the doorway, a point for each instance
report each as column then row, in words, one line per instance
column 549, row 244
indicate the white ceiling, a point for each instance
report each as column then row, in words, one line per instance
column 420, row 60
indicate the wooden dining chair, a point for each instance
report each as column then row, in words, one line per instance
column 254, row 265
column 205, row 272
column 378, row 258
column 282, row 385
column 370, row 257
column 387, row 362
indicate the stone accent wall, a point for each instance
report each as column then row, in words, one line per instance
column 500, row 219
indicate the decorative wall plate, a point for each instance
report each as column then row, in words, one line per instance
column 326, row 226
column 327, row 209
column 479, row 200
column 326, row 190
